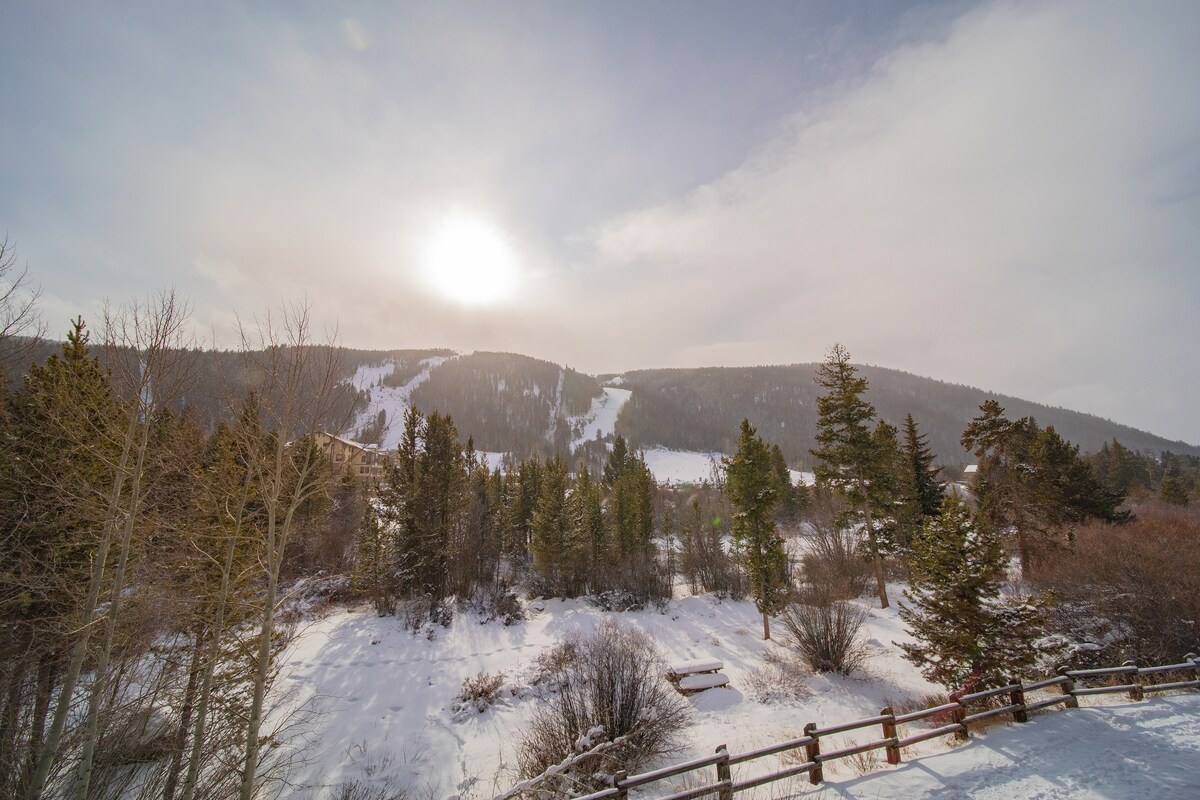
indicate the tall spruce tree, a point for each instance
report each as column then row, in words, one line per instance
column 1032, row 482
column 925, row 488
column 751, row 486
column 585, row 507
column 847, row 454
column 551, row 529
column 920, row 490
column 968, row 637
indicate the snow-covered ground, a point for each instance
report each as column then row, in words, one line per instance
column 386, row 699
column 386, row 694
column 680, row 466
column 691, row 466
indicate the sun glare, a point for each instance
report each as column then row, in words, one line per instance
column 466, row 260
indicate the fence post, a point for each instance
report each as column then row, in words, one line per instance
column 811, row 751
column 889, row 732
column 618, row 779
column 957, row 714
column 1195, row 669
column 1136, row 692
column 1017, row 698
column 1068, row 687
column 724, row 774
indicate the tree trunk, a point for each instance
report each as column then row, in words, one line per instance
column 766, row 627
column 14, row 683
column 100, row 679
column 185, row 718
column 1023, row 547
column 876, row 561
column 214, row 649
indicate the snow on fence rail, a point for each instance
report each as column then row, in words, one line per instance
column 1125, row 678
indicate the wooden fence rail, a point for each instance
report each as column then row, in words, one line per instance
column 1072, row 684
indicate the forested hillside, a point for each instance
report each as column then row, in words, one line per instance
column 699, row 409
column 522, row 405
column 507, row 402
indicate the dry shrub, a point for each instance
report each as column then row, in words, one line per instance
column 862, row 763
column 1134, row 588
column 834, row 568
column 480, row 690
column 828, row 636
column 781, row 679
column 495, row 601
column 909, row 705
column 611, row 679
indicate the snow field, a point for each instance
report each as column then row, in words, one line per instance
column 388, row 696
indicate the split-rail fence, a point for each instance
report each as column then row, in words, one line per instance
column 958, row 715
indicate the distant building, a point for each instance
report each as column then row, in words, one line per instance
column 969, row 473
column 363, row 461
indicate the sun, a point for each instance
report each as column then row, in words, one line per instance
column 467, row 260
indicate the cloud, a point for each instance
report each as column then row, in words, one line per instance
column 1011, row 205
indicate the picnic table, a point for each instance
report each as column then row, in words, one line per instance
column 697, row 675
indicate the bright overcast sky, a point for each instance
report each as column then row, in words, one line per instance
column 1000, row 194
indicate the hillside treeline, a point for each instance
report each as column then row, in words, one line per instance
column 699, row 409
column 509, row 403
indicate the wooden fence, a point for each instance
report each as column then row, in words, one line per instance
column 958, row 716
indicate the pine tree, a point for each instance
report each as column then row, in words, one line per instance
column 925, row 488
column 920, row 490
column 588, row 530
column 1032, row 482
column 441, row 502
column 968, row 638
column 551, row 529
column 751, row 486
column 1174, row 488
column 372, row 561
column 792, row 498
column 847, row 455
column 631, row 510
column 616, row 462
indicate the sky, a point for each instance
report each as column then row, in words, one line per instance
column 1000, row 194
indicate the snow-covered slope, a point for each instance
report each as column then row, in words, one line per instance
column 387, row 711
column 601, row 418
column 392, row 400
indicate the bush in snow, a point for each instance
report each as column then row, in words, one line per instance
column 827, row 635
column 968, row 637
column 496, row 601
column 781, row 679
column 479, row 692
column 610, row 684
column 833, row 563
column 424, row 615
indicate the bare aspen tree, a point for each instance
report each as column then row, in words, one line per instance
column 158, row 328
column 18, row 304
column 235, row 514
column 146, row 347
column 298, row 390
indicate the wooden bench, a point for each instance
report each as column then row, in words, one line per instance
column 689, row 677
